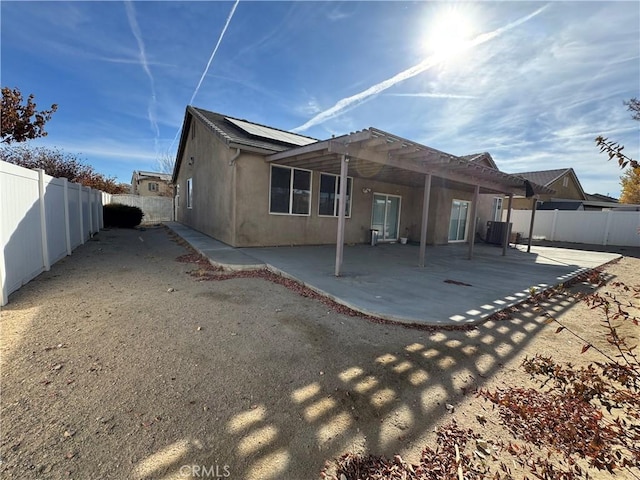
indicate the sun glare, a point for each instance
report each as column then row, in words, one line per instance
column 449, row 34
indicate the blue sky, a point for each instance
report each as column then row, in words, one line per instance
column 532, row 82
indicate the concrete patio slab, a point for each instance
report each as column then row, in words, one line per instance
column 385, row 281
column 219, row 254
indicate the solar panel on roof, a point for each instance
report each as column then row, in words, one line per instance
column 271, row 133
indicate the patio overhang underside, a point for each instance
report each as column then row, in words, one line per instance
column 378, row 155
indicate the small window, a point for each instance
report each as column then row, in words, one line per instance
column 565, row 182
column 153, row 187
column 290, row 191
column 329, row 196
column 496, row 209
column 189, row 192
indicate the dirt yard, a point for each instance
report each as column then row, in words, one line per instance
column 118, row 364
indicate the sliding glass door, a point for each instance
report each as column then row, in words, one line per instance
column 386, row 216
column 458, row 221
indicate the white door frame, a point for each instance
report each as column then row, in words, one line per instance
column 399, row 197
column 466, row 227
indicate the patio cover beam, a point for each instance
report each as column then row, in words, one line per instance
column 507, row 234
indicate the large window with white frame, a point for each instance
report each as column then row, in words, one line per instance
column 496, row 209
column 189, row 192
column 290, row 191
column 329, row 195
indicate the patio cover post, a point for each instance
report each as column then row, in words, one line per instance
column 474, row 212
column 342, row 205
column 425, row 218
column 533, row 217
column 507, row 234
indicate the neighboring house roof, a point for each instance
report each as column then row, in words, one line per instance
column 597, row 197
column 481, row 158
column 161, row 176
column 568, row 205
column 547, row 177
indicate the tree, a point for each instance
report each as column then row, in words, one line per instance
column 630, row 182
column 21, row 122
column 614, row 149
column 59, row 164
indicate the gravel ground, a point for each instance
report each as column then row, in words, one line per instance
column 118, row 364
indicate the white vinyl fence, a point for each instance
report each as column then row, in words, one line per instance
column 155, row 209
column 42, row 219
column 584, row 226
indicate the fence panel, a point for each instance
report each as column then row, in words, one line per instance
column 599, row 228
column 155, row 209
column 42, row 219
column 20, row 228
column 55, row 217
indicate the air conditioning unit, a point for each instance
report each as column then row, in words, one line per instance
column 496, row 232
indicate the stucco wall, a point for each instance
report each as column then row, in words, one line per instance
column 213, row 179
column 142, row 188
column 257, row 227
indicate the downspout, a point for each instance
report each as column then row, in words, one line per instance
column 234, row 158
column 234, row 202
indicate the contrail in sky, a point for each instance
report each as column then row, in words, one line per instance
column 426, row 64
column 135, row 29
column 430, row 95
column 206, row 70
column 213, row 54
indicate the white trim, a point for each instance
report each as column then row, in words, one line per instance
column 189, row 195
column 399, row 197
column 292, row 169
column 336, row 200
column 466, row 228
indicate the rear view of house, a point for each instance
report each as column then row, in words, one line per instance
column 247, row 184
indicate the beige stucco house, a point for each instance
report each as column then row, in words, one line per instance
column 151, row 184
column 248, row 185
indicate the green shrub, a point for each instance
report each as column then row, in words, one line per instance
column 123, row 216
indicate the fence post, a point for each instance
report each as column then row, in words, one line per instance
column 43, row 221
column 553, row 225
column 90, row 212
column 3, row 274
column 80, row 187
column 67, row 223
column 605, row 240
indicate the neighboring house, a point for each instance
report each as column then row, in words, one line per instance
column 568, row 195
column 151, row 184
column 247, row 184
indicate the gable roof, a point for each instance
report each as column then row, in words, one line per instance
column 230, row 130
column 481, row 158
column 547, row 177
column 598, row 197
column 162, row 176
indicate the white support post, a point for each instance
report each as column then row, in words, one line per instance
column 43, row 221
column 425, row 219
column 67, row 223
column 342, row 205
column 472, row 227
column 505, row 240
column 605, row 239
column 3, row 274
column 554, row 220
column 80, row 187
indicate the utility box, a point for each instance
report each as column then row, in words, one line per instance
column 497, row 232
column 374, row 237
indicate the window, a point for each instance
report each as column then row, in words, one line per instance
column 153, row 187
column 496, row 209
column 329, row 196
column 189, row 192
column 290, row 191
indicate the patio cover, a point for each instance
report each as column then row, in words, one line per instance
column 375, row 154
